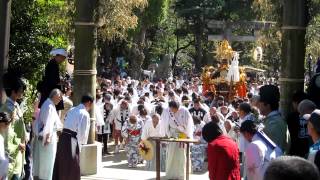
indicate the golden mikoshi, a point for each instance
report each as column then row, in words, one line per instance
column 224, row 51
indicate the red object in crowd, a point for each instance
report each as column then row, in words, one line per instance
column 134, row 132
column 223, row 159
column 242, row 90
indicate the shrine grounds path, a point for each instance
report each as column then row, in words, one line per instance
column 114, row 167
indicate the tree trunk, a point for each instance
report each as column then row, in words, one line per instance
column 136, row 53
column 5, row 14
column 295, row 21
column 85, row 55
column 198, row 48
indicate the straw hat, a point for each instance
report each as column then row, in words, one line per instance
column 146, row 150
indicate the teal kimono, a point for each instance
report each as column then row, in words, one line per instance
column 16, row 135
column 276, row 129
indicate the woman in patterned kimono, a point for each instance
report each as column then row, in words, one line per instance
column 132, row 131
column 198, row 150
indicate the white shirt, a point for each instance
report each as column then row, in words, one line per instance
column 4, row 162
column 78, row 120
column 258, row 156
column 48, row 121
column 150, row 131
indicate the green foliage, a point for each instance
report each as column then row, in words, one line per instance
column 37, row 26
column 270, row 40
column 155, row 13
column 35, row 30
column 268, row 10
column 312, row 37
column 191, row 10
column 236, row 10
column 313, row 40
column 116, row 17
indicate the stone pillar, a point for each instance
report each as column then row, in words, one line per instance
column 85, row 76
column 5, row 13
column 293, row 51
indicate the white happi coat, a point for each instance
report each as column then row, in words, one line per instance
column 171, row 125
column 116, row 116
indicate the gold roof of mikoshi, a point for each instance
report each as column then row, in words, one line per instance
column 224, row 51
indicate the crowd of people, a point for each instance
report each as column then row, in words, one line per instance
column 247, row 132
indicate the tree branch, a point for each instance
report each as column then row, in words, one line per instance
column 174, row 60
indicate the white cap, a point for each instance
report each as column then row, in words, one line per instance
column 61, row 52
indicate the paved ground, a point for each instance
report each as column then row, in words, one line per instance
column 114, row 167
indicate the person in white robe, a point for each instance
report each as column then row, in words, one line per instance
column 176, row 122
column 46, row 137
column 99, row 112
column 214, row 115
column 143, row 114
column 104, row 130
column 152, row 129
column 141, row 102
column 75, row 133
column 119, row 116
column 231, row 129
column 259, row 152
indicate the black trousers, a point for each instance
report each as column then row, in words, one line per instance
column 103, row 138
column 28, row 165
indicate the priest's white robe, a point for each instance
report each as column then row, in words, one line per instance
column 171, row 125
column 44, row 155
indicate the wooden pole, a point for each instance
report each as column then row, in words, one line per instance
column 293, row 51
column 158, row 159
column 85, row 55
